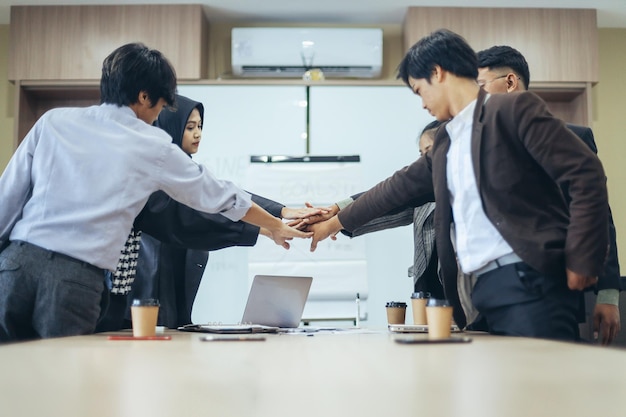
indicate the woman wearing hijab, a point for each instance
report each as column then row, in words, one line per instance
column 174, row 240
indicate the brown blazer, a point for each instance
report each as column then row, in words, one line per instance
column 520, row 153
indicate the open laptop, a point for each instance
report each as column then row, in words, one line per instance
column 274, row 302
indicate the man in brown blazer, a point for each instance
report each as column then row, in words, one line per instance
column 494, row 171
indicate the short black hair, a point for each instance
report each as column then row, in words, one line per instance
column 503, row 56
column 431, row 126
column 444, row 48
column 133, row 68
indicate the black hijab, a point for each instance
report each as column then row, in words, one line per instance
column 174, row 122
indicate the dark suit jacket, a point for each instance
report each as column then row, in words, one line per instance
column 174, row 252
column 609, row 279
column 520, row 153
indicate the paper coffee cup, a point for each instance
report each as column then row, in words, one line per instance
column 439, row 316
column 144, row 314
column 396, row 312
column 418, row 305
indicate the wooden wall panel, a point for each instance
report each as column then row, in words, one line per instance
column 70, row 42
column 560, row 45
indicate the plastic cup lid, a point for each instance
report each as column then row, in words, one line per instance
column 434, row 302
column 420, row 294
column 395, row 304
column 145, row 302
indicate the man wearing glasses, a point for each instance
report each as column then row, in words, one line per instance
column 502, row 69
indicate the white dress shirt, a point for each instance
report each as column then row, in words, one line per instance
column 477, row 241
column 81, row 176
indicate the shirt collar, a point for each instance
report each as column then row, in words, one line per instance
column 464, row 118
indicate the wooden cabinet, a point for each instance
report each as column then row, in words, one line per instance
column 560, row 45
column 70, row 42
column 56, row 52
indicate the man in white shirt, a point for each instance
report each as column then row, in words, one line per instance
column 74, row 186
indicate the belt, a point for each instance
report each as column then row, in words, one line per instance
column 511, row 258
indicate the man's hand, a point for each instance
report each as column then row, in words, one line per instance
column 281, row 233
column 302, row 212
column 327, row 213
column 324, row 229
column 606, row 322
column 299, row 216
column 576, row 281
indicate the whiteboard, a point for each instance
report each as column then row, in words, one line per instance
column 339, row 270
column 240, row 121
column 379, row 123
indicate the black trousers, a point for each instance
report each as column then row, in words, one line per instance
column 517, row 300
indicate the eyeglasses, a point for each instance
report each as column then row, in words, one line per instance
column 482, row 83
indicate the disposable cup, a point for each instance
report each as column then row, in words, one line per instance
column 418, row 305
column 396, row 312
column 144, row 314
column 439, row 317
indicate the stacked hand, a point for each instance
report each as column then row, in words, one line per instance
column 303, row 216
column 316, row 222
column 324, row 229
column 281, row 233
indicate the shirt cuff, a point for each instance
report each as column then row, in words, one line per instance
column 342, row 204
column 608, row 296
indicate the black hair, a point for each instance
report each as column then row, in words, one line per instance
column 133, row 68
column 444, row 48
column 431, row 126
column 498, row 57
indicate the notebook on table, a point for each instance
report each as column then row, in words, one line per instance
column 275, row 302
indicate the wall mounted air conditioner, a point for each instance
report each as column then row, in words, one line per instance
column 289, row 52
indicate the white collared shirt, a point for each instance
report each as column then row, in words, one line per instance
column 478, row 242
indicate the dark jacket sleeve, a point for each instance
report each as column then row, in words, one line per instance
column 388, row 221
column 176, row 224
column 172, row 222
column 400, row 216
column 410, row 186
column 272, row 207
column 611, row 274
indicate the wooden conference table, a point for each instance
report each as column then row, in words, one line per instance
column 346, row 374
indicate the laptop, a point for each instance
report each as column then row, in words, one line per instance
column 274, row 302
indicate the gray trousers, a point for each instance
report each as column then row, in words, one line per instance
column 46, row 294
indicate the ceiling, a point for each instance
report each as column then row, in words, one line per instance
column 611, row 13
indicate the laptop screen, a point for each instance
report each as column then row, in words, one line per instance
column 276, row 300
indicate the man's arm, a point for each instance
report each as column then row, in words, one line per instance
column 15, row 184
column 606, row 316
column 410, row 185
column 609, row 279
column 566, row 159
